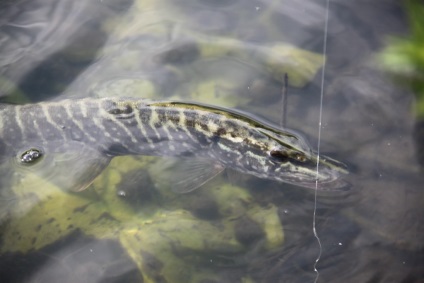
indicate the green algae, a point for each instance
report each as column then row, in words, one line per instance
column 184, row 245
column 170, row 237
column 404, row 57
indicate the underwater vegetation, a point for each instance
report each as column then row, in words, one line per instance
column 170, row 238
column 404, row 56
column 155, row 50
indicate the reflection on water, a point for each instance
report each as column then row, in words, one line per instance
column 44, row 46
column 129, row 226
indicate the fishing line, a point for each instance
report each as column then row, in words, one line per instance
column 324, row 51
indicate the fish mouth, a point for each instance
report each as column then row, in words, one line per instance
column 329, row 181
column 327, row 176
column 330, row 163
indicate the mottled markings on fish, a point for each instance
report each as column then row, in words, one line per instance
column 154, row 118
column 159, row 125
column 203, row 122
column 173, row 116
column 166, row 131
column 75, row 112
column 29, row 130
column 220, row 131
column 83, row 108
column 60, row 119
column 170, row 123
column 99, row 124
column 167, row 127
column 229, row 124
column 212, row 126
column 68, row 110
column 161, row 113
column 39, row 131
column 232, row 132
column 119, row 109
column 190, row 118
column 224, row 147
column 186, row 145
column 256, row 157
column 137, row 127
column 229, row 115
column 46, row 110
column 145, row 118
column 119, row 124
column 183, row 125
column 205, row 128
column 142, row 130
column 18, row 118
column 170, row 127
column 145, row 115
column 203, row 139
column 233, row 137
column 8, row 126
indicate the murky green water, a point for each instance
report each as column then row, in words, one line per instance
column 130, row 227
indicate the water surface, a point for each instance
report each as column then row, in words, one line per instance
column 130, row 227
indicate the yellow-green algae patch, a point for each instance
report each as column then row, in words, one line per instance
column 169, row 239
column 165, row 24
column 278, row 59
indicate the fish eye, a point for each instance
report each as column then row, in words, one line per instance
column 299, row 157
column 279, row 155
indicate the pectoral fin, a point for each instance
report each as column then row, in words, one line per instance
column 187, row 175
column 33, row 173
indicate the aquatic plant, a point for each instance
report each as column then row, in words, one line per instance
column 404, row 56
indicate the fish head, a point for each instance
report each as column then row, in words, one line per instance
column 286, row 157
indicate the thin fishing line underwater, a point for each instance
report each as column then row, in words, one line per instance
column 324, row 51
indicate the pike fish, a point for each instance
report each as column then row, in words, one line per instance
column 70, row 142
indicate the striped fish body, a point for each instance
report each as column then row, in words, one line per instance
column 83, row 135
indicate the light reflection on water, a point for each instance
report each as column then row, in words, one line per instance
column 233, row 54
